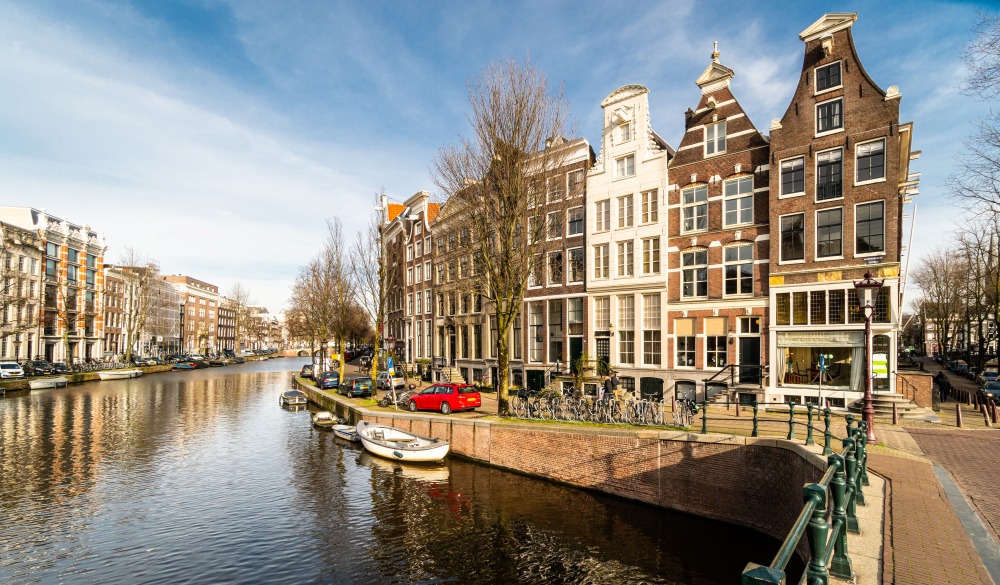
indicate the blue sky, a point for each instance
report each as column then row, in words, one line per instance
column 218, row 136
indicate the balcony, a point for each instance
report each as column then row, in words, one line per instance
column 831, row 190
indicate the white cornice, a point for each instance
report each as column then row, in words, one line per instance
column 828, row 24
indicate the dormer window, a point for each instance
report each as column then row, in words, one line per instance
column 715, row 138
column 828, row 77
column 624, row 133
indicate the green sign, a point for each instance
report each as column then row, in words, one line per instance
column 880, row 365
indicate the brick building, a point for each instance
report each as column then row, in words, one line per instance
column 415, row 221
column 393, row 231
column 199, row 302
column 840, row 168
column 20, row 291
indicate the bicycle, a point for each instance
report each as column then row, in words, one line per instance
column 684, row 412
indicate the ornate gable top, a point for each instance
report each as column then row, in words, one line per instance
column 828, row 24
column 716, row 74
column 623, row 93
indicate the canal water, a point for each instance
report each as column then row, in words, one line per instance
column 201, row 477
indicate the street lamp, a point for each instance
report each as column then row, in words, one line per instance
column 867, row 288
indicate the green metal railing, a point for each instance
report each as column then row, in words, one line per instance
column 825, row 529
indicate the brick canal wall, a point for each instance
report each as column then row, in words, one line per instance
column 756, row 483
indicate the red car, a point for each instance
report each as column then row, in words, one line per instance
column 446, row 398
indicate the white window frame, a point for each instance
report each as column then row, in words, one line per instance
column 816, row 116
column 650, row 212
column 816, row 234
column 623, row 133
column 602, row 221
column 816, row 158
column 857, row 147
column 409, row 252
column 549, row 281
column 652, row 266
column 854, row 245
column 693, row 270
column 569, row 265
column 601, row 268
column 622, row 168
column 554, row 188
column 816, row 90
column 427, row 270
column 626, row 211
column 783, row 195
column 738, row 198
column 602, row 313
column 712, row 138
column 738, row 262
column 626, row 258
column 781, row 259
column 550, row 224
column 693, row 206
column 583, row 220
column 569, row 183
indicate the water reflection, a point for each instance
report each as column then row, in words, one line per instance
column 201, row 477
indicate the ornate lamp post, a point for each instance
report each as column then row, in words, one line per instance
column 867, row 289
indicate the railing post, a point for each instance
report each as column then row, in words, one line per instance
column 850, row 423
column 704, row 417
column 850, row 446
column 827, row 435
column 791, row 421
column 809, row 425
column 840, row 565
column 817, row 533
column 863, row 459
column 754, row 433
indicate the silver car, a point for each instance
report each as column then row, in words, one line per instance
column 11, row 370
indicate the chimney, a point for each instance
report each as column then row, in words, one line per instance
column 687, row 118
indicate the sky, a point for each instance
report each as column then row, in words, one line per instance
column 218, row 137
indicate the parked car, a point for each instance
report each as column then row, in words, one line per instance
column 991, row 391
column 237, row 359
column 37, row 368
column 328, row 380
column 307, row 371
column 61, row 368
column 383, row 382
column 447, row 398
column 183, row 366
column 11, row 370
column 361, row 386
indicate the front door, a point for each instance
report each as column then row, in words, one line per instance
column 575, row 351
column 451, row 349
column 603, row 355
column 749, row 360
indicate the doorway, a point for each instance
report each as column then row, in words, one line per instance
column 749, row 360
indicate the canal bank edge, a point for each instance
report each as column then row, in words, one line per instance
column 751, row 482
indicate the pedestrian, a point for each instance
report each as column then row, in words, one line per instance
column 606, row 390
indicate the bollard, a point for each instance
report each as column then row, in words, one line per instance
column 704, row 417
column 737, row 408
column 827, row 435
column 673, row 404
column 754, row 433
column 895, row 414
column 809, row 425
column 958, row 415
column 791, row 421
column 986, row 416
column 993, row 408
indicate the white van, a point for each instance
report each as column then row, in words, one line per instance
column 11, row 370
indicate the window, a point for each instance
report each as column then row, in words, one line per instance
column 830, row 116
column 694, row 276
column 601, row 261
column 73, row 256
column 800, row 308
column 535, row 340
column 574, row 315
column 626, row 259
column 738, row 206
column 555, row 229
column 738, row 262
column 793, row 176
column 625, row 166
column 419, row 303
column 577, row 265
column 626, row 329
column 715, row 351
column 427, row 270
column 828, row 175
column 419, row 273
column 574, row 221
column 792, row 231
column 602, row 216
column 535, row 276
column 428, row 299
column 695, row 209
column 409, row 253
column 440, row 277
column 871, row 161
column 409, row 304
column 782, row 309
column 409, row 275
column 51, row 249
column 684, row 332
column 555, row 268
column 554, row 188
column 870, row 229
column 555, row 331
column 624, row 132
column 577, row 182
column 828, row 77
column 835, row 305
column 651, row 256
column 829, row 233
column 651, row 329
column 602, row 313
column 715, row 138
column 817, row 307
column 625, row 211
column 418, row 248
column 650, row 206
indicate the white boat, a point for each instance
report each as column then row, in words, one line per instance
column 119, row 374
column 294, row 398
column 324, row 419
column 400, row 445
column 43, row 383
column 346, row 432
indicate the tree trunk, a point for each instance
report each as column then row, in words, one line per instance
column 503, row 375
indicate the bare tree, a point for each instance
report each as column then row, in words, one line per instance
column 137, row 273
column 372, row 273
column 238, row 300
column 940, row 279
column 497, row 178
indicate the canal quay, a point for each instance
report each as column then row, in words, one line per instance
column 201, row 477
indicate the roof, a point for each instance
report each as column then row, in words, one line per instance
column 828, row 24
column 395, row 209
column 433, row 209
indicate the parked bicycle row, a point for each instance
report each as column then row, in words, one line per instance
column 580, row 408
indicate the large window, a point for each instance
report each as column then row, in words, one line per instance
column 829, row 182
column 625, row 211
column 574, row 221
column 829, row 233
column 828, row 77
column 793, row 176
column 830, row 116
column 782, row 309
column 715, row 351
column 574, row 315
column 738, row 195
column 577, row 265
column 535, row 275
column 715, row 138
column 536, row 345
column 695, row 209
column 602, row 216
column 684, row 333
column 651, row 256
column 625, row 166
column 738, row 262
column 555, row 268
column 626, row 329
column 577, row 183
column 651, row 329
column 871, row 161
column 694, row 280
column 601, row 261
column 870, row 228
column 650, row 206
column 555, row 225
column 626, row 259
column 792, row 231
column 602, row 313
column 554, row 188
column 555, row 331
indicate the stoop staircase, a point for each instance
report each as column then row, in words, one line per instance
column 451, row 374
column 883, row 401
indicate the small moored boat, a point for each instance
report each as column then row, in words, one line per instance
column 346, row 432
column 400, row 445
column 293, row 398
column 43, row 383
column 119, row 374
column 324, row 419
